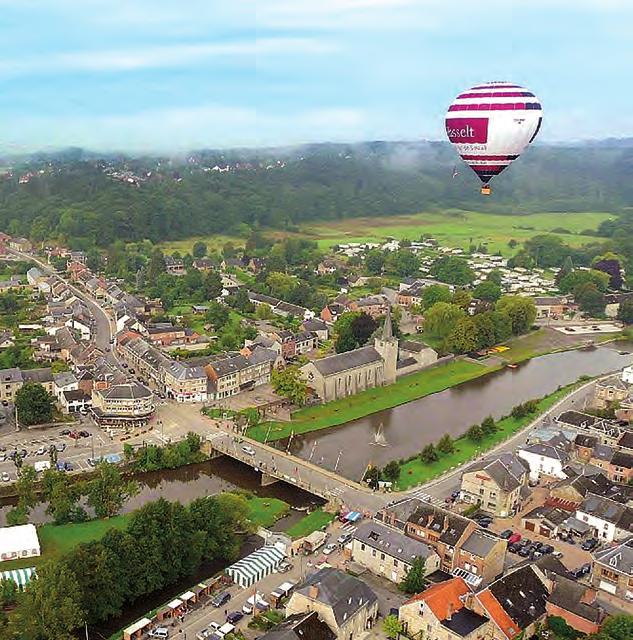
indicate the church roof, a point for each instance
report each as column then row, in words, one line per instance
column 348, row 360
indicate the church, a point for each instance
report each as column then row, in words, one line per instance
column 349, row 373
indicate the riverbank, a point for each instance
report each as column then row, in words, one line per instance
column 408, row 388
column 414, row 472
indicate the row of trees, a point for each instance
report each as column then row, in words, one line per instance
column 105, row 493
column 163, row 542
column 151, row 457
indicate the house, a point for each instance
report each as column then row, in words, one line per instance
column 613, row 302
column 17, row 542
column 75, row 401
column 441, row 612
column 544, row 520
column 6, row 340
column 498, row 485
column 544, row 459
column 413, row 356
column 332, row 312
column 184, row 381
column 387, row 552
column 64, row 381
column 346, row 604
column 10, row 381
column 613, row 570
column 516, row 603
column 479, row 557
column 609, row 519
column 302, row 626
column 374, row 306
column 554, row 307
column 174, row 266
column 617, row 465
column 575, row 603
column 123, row 405
column 318, row 327
column 570, row 492
column 609, row 391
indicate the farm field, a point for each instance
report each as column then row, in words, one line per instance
column 458, row 228
column 213, row 242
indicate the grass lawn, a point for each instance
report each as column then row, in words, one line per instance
column 264, row 512
column 56, row 540
column 409, row 388
column 312, row 522
column 457, row 228
column 214, row 243
column 416, row 472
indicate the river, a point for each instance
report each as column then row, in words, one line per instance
column 409, row 427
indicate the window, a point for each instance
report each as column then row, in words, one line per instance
column 382, row 556
column 362, row 547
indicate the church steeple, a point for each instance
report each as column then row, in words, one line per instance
column 387, row 329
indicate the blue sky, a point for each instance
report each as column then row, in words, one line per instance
column 163, row 75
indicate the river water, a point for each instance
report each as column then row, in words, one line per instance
column 409, row 427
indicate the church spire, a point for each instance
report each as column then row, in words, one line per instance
column 387, row 329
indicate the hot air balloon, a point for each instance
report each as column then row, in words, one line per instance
column 491, row 124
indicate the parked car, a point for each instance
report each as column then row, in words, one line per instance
column 514, row 538
column 546, row 548
column 84, row 434
column 249, row 451
column 455, row 494
column 74, row 435
column 449, row 499
column 5, row 477
column 284, row 567
column 329, row 548
column 580, row 571
column 525, row 551
column 3, row 457
column 557, row 554
column 221, row 599
column 590, row 544
column 234, row 617
column 506, row 535
column 60, row 446
column 65, row 432
column 41, row 451
column 344, row 538
column 159, row 632
column 514, row 547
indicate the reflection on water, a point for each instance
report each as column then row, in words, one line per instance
column 408, row 428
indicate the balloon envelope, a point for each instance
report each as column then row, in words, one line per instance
column 491, row 124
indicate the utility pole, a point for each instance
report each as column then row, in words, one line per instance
column 312, row 452
column 338, row 459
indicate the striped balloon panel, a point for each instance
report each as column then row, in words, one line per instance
column 491, row 124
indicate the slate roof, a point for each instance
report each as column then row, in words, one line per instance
column 127, row 391
column 546, row 450
column 506, row 469
column 583, row 440
column 515, row 601
column 479, row 543
column 10, row 375
column 346, row 361
column 314, row 325
column 74, row 395
column 412, row 346
column 621, row 459
column 391, row 542
column 599, row 485
column 182, row 371
column 449, row 525
column 569, row 595
column 301, row 626
column 552, row 515
column 291, row 309
column 229, row 366
column 343, row 593
column 577, row 419
column 40, row 376
column 626, row 440
column 608, row 511
column 602, row 452
column 464, row 622
column 619, row 557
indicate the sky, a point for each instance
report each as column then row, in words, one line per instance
column 169, row 76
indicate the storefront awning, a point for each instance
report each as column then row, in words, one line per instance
column 174, row 604
column 21, row 577
column 187, row 596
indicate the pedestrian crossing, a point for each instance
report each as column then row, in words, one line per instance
column 350, row 527
column 422, row 495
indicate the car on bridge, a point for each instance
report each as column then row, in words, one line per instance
column 249, row 451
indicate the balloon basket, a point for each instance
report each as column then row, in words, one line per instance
column 486, row 191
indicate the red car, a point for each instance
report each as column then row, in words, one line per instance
column 515, row 537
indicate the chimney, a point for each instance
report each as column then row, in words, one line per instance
column 449, row 611
column 313, row 592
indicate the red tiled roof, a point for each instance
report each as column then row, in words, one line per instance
column 439, row 596
column 507, row 625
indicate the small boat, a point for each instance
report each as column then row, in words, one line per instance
column 513, row 365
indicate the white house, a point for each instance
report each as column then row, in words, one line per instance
column 544, row 459
column 627, row 375
column 611, row 520
column 64, row 381
column 19, row 542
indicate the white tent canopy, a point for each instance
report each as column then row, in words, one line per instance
column 255, row 566
column 21, row 577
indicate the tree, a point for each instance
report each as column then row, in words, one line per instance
column 34, row 404
column 488, row 291
column 217, row 315
column 488, row 425
column 546, row 250
column 414, row 581
column 589, row 299
column 462, row 298
column 50, row 609
column 199, row 250
column 565, row 270
column 62, row 497
column 25, row 486
column 290, row 384
column 392, row 626
column 579, row 277
column 625, row 311
column 109, row 491
column 452, row 270
column 446, row 444
column 372, row 477
column 403, row 263
column 463, row 337
column 521, row 311
column 374, row 262
column 353, row 330
column 617, row 627
column 441, row 319
column 435, row 293
column 156, row 266
column 610, row 264
column 228, row 251
column 212, row 285
column 391, row 472
column 429, row 454
column 475, row 433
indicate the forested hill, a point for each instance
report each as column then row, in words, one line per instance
column 84, row 199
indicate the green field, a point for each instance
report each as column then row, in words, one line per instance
column 312, row 522
column 416, row 472
column 412, row 387
column 214, row 243
column 56, row 540
column 264, row 512
column 458, row 228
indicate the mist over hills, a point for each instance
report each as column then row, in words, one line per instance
column 98, row 198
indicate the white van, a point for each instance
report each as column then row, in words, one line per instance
column 225, row 629
column 41, row 466
column 159, row 632
column 253, row 602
